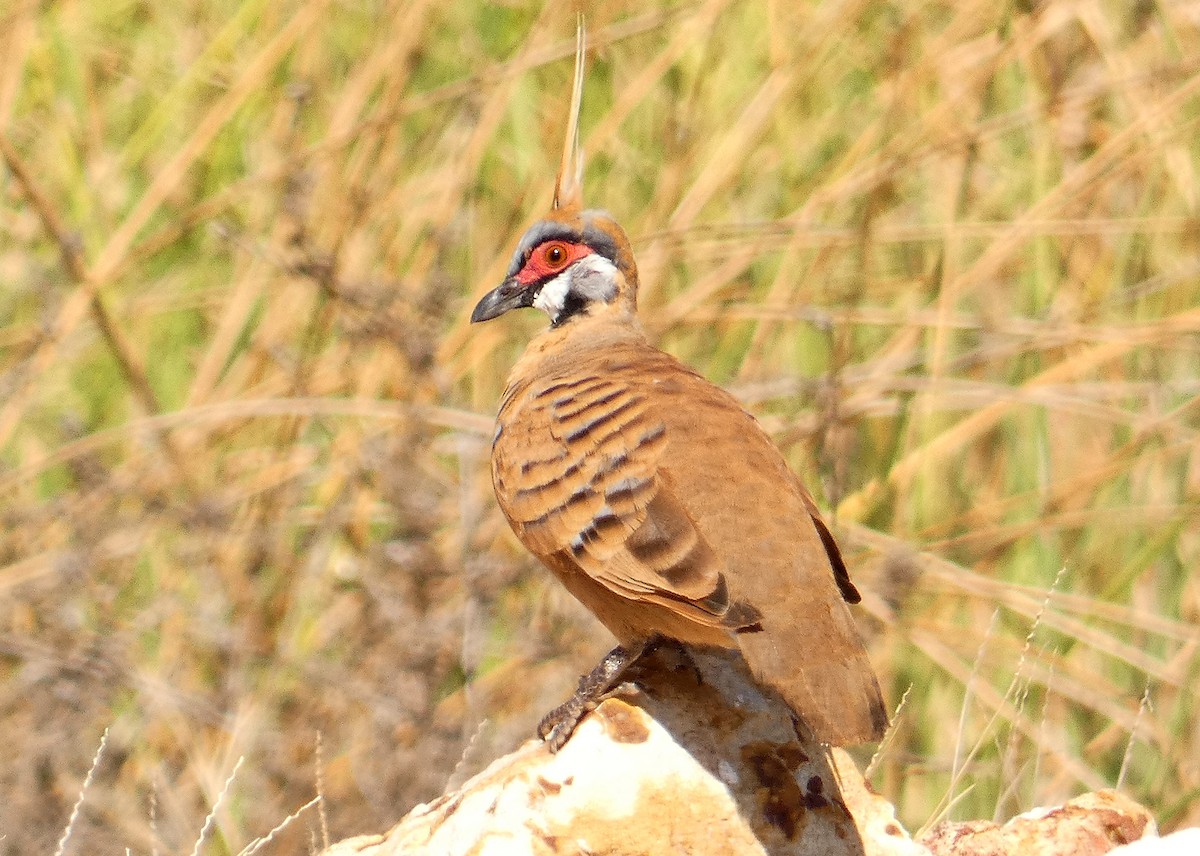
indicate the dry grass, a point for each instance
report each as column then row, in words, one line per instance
column 947, row 252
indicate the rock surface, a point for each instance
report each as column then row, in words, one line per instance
column 700, row 759
column 1185, row 842
column 1088, row 825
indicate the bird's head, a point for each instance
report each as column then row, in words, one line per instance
column 575, row 263
column 571, row 265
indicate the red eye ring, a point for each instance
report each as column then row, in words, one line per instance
column 549, row 259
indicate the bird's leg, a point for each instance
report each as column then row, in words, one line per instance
column 559, row 724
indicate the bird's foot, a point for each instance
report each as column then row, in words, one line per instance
column 600, row 683
column 558, row 725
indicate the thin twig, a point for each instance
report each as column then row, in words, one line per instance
column 949, row 801
column 1037, row 755
column 1133, row 735
column 888, row 735
column 211, row 819
column 259, row 843
column 87, row 781
column 322, row 813
column 154, row 817
column 967, row 691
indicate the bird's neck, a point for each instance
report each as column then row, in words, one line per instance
column 570, row 345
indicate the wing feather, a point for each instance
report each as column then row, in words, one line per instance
column 589, row 484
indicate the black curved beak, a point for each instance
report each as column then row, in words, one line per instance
column 509, row 294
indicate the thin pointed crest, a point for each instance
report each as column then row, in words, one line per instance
column 568, row 188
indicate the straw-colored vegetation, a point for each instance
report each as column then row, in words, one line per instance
column 947, row 251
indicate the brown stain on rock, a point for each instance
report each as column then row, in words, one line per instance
column 792, row 755
column 814, row 793
column 1118, row 827
column 780, row 799
column 624, row 723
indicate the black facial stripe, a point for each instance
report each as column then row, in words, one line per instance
column 573, row 305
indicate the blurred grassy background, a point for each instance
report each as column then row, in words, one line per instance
column 946, row 251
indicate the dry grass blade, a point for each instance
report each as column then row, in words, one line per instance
column 75, row 809
column 110, row 258
column 1016, row 690
column 568, row 186
column 968, row 688
column 1133, row 736
column 887, row 740
column 323, row 815
column 259, row 843
column 953, row 440
column 210, row 820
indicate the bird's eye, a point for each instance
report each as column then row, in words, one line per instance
column 555, row 254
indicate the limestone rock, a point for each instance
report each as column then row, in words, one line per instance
column 699, row 760
column 1088, row 825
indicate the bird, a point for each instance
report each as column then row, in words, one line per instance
column 652, row 494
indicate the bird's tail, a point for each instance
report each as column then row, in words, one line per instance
column 823, row 673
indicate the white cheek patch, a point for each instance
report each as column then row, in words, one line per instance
column 592, row 279
column 553, row 296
